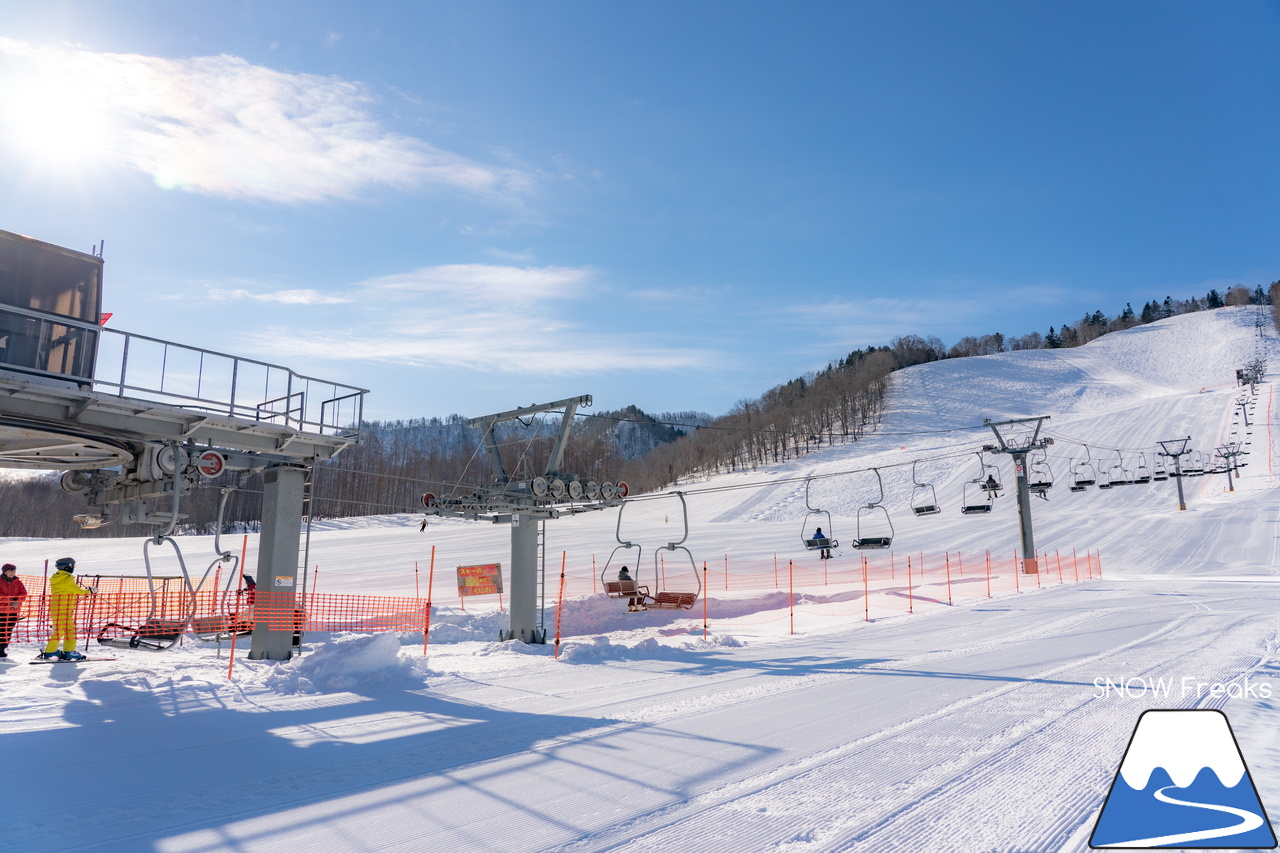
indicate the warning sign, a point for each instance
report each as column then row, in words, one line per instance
column 480, row 580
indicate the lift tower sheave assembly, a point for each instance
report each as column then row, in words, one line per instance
column 1175, row 449
column 525, row 505
column 1018, row 447
column 134, row 419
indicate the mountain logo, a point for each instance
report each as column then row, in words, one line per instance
column 1183, row 783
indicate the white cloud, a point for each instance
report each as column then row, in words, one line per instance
column 283, row 297
column 501, row 319
column 221, row 126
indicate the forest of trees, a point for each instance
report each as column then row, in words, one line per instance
column 399, row 460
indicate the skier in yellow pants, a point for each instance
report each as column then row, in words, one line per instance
column 63, row 595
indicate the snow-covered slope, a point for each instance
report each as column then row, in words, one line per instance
column 990, row 725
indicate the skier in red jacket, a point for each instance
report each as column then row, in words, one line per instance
column 13, row 594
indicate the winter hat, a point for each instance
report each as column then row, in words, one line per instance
column 65, row 563
column 249, row 581
column 8, row 567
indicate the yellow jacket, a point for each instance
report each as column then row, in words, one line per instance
column 62, row 583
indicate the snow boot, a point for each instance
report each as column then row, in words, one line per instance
column 50, row 656
column 72, row 656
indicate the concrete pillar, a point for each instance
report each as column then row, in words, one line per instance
column 278, row 549
column 524, row 579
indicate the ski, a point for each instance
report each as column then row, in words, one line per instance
column 59, row 660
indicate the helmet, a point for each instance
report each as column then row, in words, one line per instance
column 66, row 563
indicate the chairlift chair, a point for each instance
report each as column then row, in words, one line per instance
column 1120, row 475
column 875, row 528
column 924, row 497
column 158, row 631
column 667, row 599
column 811, row 540
column 1160, row 472
column 1083, row 474
column 1104, row 479
column 1142, row 474
column 1078, row 483
column 1039, row 475
column 980, row 492
column 614, row 588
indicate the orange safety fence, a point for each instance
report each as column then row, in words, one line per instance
column 811, row 592
column 125, row 606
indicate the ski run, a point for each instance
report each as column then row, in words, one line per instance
column 994, row 724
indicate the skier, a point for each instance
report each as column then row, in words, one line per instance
column 63, row 593
column 819, row 536
column 636, row 602
column 12, row 596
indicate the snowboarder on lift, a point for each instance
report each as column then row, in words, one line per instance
column 636, row 602
column 63, row 595
column 819, row 536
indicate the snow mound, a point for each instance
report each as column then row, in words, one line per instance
column 346, row 663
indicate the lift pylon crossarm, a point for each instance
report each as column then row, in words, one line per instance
column 489, row 422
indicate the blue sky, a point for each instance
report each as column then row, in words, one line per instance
column 469, row 207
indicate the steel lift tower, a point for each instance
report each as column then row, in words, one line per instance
column 1018, row 447
column 133, row 419
column 525, row 505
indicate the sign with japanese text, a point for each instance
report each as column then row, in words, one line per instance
column 480, row 580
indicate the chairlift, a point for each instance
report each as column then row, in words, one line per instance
column 1039, row 475
column 1083, row 474
column 1160, row 472
column 981, row 491
column 158, row 631
column 924, row 497
column 815, row 539
column 666, row 599
column 614, row 588
column 1195, row 465
column 875, row 528
column 1142, row 474
column 1104, row 478
column 1077, row 485
column 1120, row 475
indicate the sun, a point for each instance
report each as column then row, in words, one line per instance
column 53, row 121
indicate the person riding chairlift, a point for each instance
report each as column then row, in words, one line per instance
column 636, row 602
column 825, row 552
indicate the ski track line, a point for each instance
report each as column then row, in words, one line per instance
column 678, row 815
column 784, row 807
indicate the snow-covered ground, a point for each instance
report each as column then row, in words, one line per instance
column 974, row 727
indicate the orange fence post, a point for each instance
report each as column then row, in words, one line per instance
column 431, row 576
column 1017, row 585
column 704, row 599
column 244, row 552
column 866, row 592
column 1099, row 562
column 948, row 564
column 911, row 599
column 1058, row 558
column 560, row 602
column 1038, row 573
column 791, row 593
column 1075, row 564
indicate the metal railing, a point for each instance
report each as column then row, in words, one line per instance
column 141, row 367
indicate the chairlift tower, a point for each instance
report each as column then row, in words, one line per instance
column 1229, row 453
column 132, row 419
column 1019, row 448
column 526, row 505
column 1175, row 449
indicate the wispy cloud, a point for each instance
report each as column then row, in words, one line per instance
column 282, row 297
column 222, row 126
column 493, row 318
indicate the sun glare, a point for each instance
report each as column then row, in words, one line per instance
column 53, row 123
